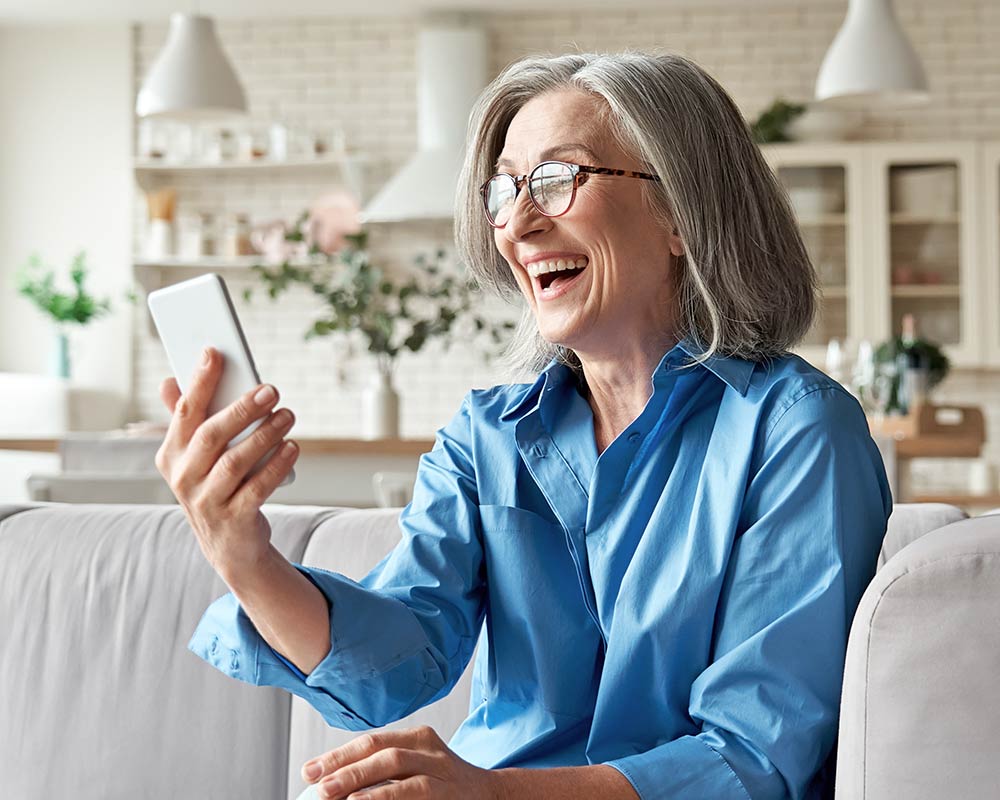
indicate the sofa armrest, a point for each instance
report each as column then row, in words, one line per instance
column 910, row 521
column 920, row 711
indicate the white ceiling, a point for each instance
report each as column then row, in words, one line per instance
column 14, row 12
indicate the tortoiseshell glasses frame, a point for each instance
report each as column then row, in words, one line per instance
column 552, row 188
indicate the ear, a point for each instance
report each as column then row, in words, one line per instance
column 676, row 243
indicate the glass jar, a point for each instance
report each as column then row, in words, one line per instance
column 189, row 237
column 236, row 236
column 209, row 235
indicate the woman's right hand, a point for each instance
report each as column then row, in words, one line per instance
column 208, row 480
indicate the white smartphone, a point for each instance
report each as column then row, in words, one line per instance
column 199, row 313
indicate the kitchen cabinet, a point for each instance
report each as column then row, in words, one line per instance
column 925, row 244
column 991, row 256
column 825, row 184
column 897, row 228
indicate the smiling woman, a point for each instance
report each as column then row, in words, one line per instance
column 659, row 542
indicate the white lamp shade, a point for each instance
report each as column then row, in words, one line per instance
column 191, row 78
column 871, row 60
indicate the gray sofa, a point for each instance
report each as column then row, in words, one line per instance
column 100, row 698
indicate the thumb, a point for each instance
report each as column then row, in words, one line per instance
column 169, row 393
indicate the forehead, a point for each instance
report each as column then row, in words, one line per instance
column 554, row 124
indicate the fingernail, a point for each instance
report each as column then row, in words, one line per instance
column 206, row 356
column 264, row 395
column 313, row 771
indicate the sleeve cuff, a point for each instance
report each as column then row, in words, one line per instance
column 685, row 767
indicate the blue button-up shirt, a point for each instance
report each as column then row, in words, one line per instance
column 677, row 606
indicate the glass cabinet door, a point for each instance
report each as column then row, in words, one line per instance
column 924, row 243
column 991, row 230
column 823, row 183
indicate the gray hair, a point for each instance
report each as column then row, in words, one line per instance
column 745, row 284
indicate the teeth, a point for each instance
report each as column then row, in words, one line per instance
column 555, row 265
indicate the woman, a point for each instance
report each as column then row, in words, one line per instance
column 666, row 533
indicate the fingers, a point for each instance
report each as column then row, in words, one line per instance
column 393, row 763
column 418, row 787
column 169, row 393
column 368, row 743
column 230, row 470
column 191, row 408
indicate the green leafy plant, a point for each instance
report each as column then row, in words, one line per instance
column 887, row 356
column 78, row 306
column 392, row 315
column 772, row 125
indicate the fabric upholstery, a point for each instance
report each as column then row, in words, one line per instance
column 99, row 696
column 352, row 543
column 920, row 715
column 910, row 521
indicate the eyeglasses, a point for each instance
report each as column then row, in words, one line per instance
column 552, row 188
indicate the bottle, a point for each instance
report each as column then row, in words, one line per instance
column 912, row 367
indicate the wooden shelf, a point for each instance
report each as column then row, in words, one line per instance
column 822, row 220
column 975, row 500
column 309, row 446
column 908, row 218
column 834, row 292
column 927, row 290
column 31, row 445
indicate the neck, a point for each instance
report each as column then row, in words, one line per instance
column 618, row 386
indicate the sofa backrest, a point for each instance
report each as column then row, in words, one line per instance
column 352, row 542
column 99, row 696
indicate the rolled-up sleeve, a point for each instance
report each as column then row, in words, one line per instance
column 813, row 518
column 402, row 636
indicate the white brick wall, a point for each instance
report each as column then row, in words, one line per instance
column 359, row 74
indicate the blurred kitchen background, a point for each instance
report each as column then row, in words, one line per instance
column 350, row 106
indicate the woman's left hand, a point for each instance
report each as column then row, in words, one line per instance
column 420, row 765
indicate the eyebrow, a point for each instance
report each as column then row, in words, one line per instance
column 549, row 152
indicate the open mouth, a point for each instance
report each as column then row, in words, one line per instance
column 554, row 274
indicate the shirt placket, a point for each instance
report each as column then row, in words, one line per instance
column 567, row 498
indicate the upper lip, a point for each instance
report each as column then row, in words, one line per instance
column 550, row 256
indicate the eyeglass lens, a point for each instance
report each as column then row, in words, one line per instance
column 550, row 187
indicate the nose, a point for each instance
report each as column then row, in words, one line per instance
column 524, row 218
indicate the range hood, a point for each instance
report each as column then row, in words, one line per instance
column 451, row 72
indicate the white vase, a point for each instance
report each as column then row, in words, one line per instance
column 380, row 407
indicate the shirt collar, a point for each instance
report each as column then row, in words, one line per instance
column 734, row 372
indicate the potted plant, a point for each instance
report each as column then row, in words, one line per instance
column 391, row 315
column 78, row 307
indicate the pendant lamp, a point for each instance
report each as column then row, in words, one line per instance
column 191, row 78
column 871, row 60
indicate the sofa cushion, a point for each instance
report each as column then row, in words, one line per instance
column 100, row 696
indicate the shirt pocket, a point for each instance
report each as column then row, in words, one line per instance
column 544, row 645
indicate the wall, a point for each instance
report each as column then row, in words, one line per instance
column 65, row 186
column 359, row 73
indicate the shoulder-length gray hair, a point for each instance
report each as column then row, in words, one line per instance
column 745, row 285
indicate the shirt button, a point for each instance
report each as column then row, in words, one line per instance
column 634, row 437
column 213, row 646
column 538, row 451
